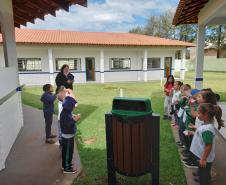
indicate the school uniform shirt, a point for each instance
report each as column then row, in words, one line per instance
column 176, row 96
column 205, row 134
column 169, row 87
column 60, row 108
column 188, row 119
column 181, row 105
column 198, row 122
column 67, row 122
column 48, row 102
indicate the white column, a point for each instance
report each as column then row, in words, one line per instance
column 51, row 69
column 145, row 65
column 102, row 66
column 9, row 47
column 200, row 57
column 182, row 64
column 162, row 67
column 173, row 66
column 8, row 33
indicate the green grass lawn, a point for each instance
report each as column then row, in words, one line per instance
column 95, row 100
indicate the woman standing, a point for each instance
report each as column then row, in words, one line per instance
column 64, row 78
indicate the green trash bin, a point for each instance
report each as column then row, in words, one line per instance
column 132, row 134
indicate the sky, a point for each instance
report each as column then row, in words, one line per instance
column 105, row 15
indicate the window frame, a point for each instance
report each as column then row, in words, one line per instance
column 148, row 60
column 120, row 63
column 29, row 60
column 79, row 67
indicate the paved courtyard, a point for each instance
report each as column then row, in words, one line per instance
column 31, row 161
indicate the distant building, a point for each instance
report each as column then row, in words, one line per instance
column 211, row 62
column 93, row 56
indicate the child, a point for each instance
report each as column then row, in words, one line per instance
column 48, row 109
column 60, row 95
column 204, row 96
column 168, row 87
column 68, row 129
column 203, row 143
column 181, row 114
column 175, row 100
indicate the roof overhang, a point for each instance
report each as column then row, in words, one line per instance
column 187, row 11
column 28, row 10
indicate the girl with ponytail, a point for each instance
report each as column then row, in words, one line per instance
column 203, row 143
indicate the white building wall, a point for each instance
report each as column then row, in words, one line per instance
column 11, row 107
column 10, row 124
column 122, row 75
column 134, row 74
column 178, row 65
column 2, row 60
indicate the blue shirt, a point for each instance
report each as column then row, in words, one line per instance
column 67, row 122
column 48, row 102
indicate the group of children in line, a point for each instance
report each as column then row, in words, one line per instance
column 67, row 122
column 193, row 113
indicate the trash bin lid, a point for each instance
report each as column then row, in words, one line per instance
column 131, row 107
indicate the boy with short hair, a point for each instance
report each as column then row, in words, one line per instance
column 48, row 109
column 68, row 129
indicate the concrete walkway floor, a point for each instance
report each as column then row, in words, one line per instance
column 31, row 161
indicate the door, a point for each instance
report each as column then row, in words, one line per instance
column 167, row 66
column 90, row 69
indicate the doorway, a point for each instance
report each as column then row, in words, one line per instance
column 90, row 69
column 167, row 66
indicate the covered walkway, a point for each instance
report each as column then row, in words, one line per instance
column 31, row 161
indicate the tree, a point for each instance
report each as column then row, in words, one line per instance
column 138, row 30
column 161, row 26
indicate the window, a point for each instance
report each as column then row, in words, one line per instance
column 73, row 63
column 153, row 63
column 29, row 64
column 178, row 55
column 120, row 63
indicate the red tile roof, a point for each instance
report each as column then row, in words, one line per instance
column 29, row 36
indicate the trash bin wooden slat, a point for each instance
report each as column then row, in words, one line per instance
column 127, row 148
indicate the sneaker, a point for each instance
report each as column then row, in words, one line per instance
column 184, row 152
column 50, row 141
column 178, row 142
column 52, row 136
column 191, row 165
column 186, row 160
column 71, row 170
column 186, row 155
